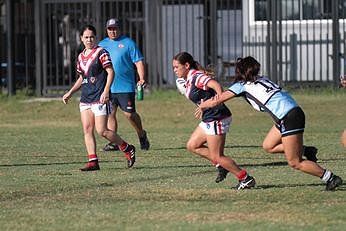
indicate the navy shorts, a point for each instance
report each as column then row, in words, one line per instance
column 292, row 123
column 126, row 101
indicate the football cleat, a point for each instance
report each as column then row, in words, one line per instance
column 222, row 173
column 310, row 153
column 91, row 166
column 144, row 142
column 333, row 182
column 249, row 182
column 130, row 154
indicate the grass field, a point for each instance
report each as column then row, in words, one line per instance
column 42, row 149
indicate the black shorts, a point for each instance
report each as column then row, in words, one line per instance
column 126, row 101
column 292, row 123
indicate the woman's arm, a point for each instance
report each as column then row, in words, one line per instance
column 110, row 76
column 216, row 86
column 218, row 99
column 76, row 86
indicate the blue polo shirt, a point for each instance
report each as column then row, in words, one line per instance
column 124, row 53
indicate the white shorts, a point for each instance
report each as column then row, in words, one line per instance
column 216, row 127
column 97, row 108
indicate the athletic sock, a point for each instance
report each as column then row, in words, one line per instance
column 215, row 164
column 92, row 157
column 123, row 146
column 242, row 175
column 327, row 175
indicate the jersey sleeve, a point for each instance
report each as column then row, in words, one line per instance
column 78, row 69
column 237, row 88
column 135, row 53
column 105, row 58
column 201, row 81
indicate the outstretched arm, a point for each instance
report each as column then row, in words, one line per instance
column 218, row 99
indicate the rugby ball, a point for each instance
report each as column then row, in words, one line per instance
column 181, row 85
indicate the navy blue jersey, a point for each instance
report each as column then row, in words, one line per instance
column 197, row 90
column 92, row 69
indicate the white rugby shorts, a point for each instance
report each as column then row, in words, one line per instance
column 98, row 109
column 216, row 127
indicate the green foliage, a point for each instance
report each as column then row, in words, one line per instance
column 42, row 149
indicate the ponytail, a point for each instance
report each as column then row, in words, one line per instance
column 184, row 57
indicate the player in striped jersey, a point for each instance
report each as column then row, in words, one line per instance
column 286, row 135
column 95, row 76
column 215, row 121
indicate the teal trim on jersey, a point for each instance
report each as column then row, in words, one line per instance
column 124, row 53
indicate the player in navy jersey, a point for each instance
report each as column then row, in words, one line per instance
column 95, row 75
column 127, row 60
column 286, row 135
column 215, row 121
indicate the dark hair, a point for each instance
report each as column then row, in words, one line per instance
column 184, row 57
column 246, row 69
column 88, row 27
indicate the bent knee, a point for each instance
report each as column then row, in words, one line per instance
column 102, row 132
column 294, row 164
column 267, row 148
column 190, row 146
column 130, row 115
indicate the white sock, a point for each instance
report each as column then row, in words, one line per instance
column 326, row 175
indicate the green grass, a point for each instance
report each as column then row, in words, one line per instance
column 42, row 149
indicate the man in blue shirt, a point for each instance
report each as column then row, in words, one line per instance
column 125, row 56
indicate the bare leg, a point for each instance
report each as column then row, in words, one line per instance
column 112, row 123
column 102, row 130
column 136, row 122
column 196, row 144
column 88, row 123
column 272, row 142
column 293, row 146
column 216, row 144
column 343, row 138
column 128, row 149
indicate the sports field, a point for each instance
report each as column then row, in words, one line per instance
column 42, row 149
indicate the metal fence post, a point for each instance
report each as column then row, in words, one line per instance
column 336, row 42
column 274, row 70
column 213, row 32
column 11, row 83
column 293, row 57
column 38, row 50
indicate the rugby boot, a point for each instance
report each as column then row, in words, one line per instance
column 91, row 166
column 249, row 182
column 333, row 182
column 222, row 173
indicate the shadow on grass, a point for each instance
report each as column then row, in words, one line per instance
column 269, row 186
column 280, row 163
column 227, row 146
column 53, row 163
